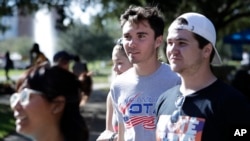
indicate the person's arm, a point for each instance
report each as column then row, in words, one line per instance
column 109, row 113
column 121, row 132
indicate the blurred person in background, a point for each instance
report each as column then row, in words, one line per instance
column 8, row 65
column 80, row 69
column 79, row 66
column 36, row 56
column 121, row 64
column 241, row 78
column 86, row 86
column 63, row 59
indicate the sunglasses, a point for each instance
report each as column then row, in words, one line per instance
column 23, row 97
column 176, row 114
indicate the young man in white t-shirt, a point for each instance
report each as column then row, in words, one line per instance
column 136, row 91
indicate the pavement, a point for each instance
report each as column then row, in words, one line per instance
column 94, row 113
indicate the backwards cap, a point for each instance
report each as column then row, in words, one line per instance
column 202, row 26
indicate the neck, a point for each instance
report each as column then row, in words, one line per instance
column 196, row 81
column 144, row 69
column 51, row 135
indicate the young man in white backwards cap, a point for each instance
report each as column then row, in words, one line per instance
column 202, row 107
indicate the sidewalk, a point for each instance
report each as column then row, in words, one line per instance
column 94, row 113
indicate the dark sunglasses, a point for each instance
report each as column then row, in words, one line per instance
column 176, row 114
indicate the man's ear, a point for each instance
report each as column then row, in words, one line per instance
column 158, row 41
column 207, row 50
column 58, row 104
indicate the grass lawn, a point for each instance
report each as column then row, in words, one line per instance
column 97, row 78
column 100, row 70
column 7, row 123
column 12, row 72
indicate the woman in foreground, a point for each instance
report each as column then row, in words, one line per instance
column 46, row 105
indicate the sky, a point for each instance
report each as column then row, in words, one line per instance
column 85, row 16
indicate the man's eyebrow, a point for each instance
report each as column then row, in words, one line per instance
column 177, row 39
column 140, row 33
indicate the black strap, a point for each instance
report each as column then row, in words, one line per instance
column 113, row 137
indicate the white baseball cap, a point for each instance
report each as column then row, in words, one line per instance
column 202, row 26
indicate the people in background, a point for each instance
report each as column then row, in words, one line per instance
column 63, row 59
column 80, row 69
column 36, row 56
column 8, row 65
column 46, row 105
column 245, row 58
column 79, row 66
column 86, row 81
column 241, row 78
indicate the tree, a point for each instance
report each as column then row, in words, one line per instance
column 26, row 7
column 20, row 45
column 228, row 16
column 86, row 42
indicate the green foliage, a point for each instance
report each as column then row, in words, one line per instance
column 228, row 16
column 27, row 7
column 86, row 42
column 223, row 12
column 21, row 45
column 7, row 121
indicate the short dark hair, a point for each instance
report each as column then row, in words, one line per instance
column 136, row 14
column 202, row 43
column 62, row 56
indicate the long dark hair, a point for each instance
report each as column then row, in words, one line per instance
column 53, row 82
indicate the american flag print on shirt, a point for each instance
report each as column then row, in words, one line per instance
column 137, row 113
column 146, row 121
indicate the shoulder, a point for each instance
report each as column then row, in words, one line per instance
column 168, row 74
column 166, row 97
column 127, row 74
column 167, row 70
column 123, row 78
column 235, row 102
column 225, row 88
column 227, row 95
column 170, row 92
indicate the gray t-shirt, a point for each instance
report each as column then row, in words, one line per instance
column 134, row 98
